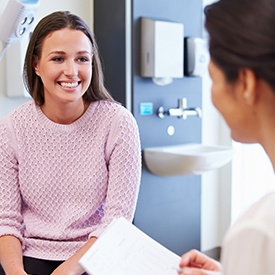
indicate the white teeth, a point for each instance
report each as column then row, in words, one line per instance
column 69, row 84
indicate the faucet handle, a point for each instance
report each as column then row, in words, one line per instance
column 161, row 112
column 182, row 103
column 182, row 111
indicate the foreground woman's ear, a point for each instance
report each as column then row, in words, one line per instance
column 249, row 82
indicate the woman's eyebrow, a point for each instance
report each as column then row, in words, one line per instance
column 62, row 52
column 56, row 52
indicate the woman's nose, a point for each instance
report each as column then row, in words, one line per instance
column 71, row 68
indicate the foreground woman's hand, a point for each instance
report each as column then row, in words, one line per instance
column 196, row 263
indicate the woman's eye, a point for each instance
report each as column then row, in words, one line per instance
column 83, row 59
column 57, row 59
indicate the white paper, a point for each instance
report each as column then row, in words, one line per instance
column 123, row 249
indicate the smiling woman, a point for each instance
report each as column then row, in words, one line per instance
column 65, row 69
column 70, row 160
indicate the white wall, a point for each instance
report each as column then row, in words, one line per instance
column 83, row 8
column 216, row 185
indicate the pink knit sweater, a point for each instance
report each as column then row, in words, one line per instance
column 61, row 184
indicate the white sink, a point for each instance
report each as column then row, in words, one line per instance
column 186, row 159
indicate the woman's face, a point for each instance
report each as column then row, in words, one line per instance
column 229, row 101
column 65, row 66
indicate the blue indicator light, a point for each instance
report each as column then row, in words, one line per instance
column 146, row 108
column 29, row 1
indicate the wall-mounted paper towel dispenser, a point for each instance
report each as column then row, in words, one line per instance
column 162, row 49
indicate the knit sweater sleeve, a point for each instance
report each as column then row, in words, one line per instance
column 10, row 199
column 123, row 156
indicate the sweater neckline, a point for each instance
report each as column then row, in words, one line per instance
column 46, row 122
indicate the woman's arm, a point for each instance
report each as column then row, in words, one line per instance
column 11, row 255
column 123, row 159
column 71, row 266
column 124, row 166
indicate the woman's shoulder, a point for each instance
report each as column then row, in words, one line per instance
column 113, row 109
column 19, row 113
column 259, row 218
column 111, row 105
column 249, row 244
column 261, row 210
column 21, row 110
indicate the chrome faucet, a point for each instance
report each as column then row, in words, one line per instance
column 181, row 112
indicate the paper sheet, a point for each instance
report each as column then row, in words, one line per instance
column 124, row 249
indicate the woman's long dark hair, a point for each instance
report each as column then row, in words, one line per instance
column 241, row 35
column 54, row 22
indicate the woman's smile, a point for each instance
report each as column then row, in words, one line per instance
column 68, row 84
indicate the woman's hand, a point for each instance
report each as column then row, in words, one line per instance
column 196, row 263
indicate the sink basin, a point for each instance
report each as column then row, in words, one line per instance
column 186, row 159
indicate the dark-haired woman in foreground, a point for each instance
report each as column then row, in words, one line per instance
column 242, row 67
